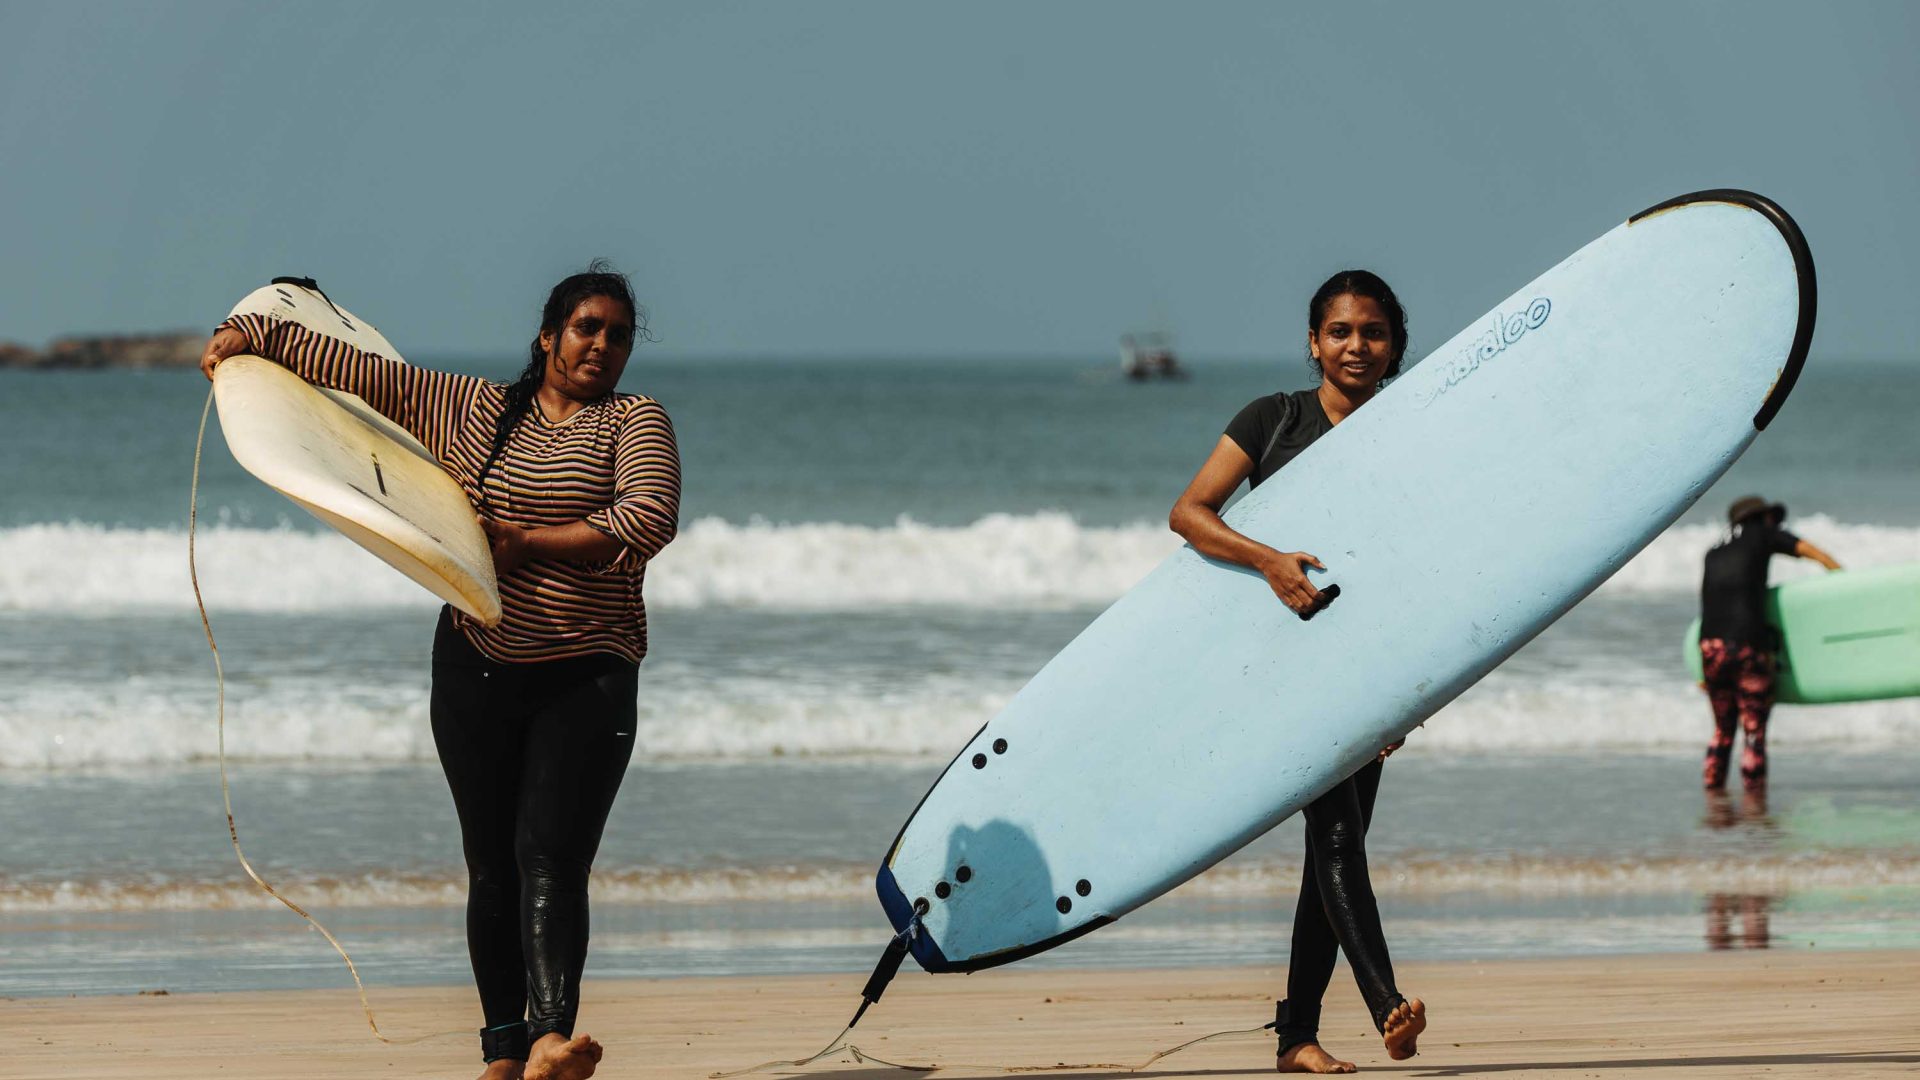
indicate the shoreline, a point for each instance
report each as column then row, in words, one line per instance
column 161, row 349
column 1698, row 1015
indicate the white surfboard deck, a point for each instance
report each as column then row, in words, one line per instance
column 348, row 465
column 1473, row 502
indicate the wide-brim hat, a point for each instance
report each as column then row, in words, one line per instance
column 1749, row 505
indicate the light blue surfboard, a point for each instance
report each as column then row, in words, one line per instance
column 1467, row 507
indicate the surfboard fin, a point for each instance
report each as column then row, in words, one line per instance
column 314, row 286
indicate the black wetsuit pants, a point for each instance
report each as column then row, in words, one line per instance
column 534, row 754
column 1337, row 911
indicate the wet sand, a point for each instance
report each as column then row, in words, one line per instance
column 1741, row 1014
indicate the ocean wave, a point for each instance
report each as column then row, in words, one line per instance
column 686, row 717
column 145, row 722
column 1000, row 561
column 398, row 890
column 1395, row 875
column 1672, row 562
column 1033, row 561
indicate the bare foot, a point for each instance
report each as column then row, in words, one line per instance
column 1404, row 1025
column 556, row 1057
column 504, row 1069
column 1310, row 1058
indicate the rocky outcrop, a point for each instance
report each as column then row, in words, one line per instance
column 121, row 351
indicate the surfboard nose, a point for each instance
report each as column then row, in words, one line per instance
column 1796, row 242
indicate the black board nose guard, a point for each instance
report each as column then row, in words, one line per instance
column 899, row 909
column 1803, row 271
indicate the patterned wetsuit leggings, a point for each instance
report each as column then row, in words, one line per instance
column 534, row 754
column 1739, row 682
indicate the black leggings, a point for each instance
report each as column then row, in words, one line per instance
column 1337, row 911
column 534, row 754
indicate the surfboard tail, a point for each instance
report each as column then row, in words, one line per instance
column 926, row 951
column 900, row 912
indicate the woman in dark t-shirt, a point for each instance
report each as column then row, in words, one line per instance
column 1356, row 337
column 1739, row 649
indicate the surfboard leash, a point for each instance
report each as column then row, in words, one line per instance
column 226, row 795
column 839, row 1043
column 883, row 974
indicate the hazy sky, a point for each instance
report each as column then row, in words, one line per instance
column 897, row 178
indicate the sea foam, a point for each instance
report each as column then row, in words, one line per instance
column 1033, row 561
column 911, row 720
column 1404, row 875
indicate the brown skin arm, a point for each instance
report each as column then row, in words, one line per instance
column 514, row 546
column 1196, row 517
column 1805, row 550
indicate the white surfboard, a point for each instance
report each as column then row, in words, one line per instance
column 349, row 466
column 1473, row 502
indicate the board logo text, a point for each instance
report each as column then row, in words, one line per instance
column 1502, row 331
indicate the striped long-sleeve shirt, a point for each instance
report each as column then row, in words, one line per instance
column 612, row 464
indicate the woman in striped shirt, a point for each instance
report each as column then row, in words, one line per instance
column 578, row 487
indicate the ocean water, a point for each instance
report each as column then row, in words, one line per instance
column 874, row 557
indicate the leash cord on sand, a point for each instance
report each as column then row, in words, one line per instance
column 226, row 796
column 863, row 1058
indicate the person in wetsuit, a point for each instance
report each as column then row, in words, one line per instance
column 1739, row 649
column 578, row 487
column 1356, row 338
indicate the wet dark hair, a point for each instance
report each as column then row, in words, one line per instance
column 598, row 279
column 1360, row 283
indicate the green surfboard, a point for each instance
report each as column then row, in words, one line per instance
column 1852, row 635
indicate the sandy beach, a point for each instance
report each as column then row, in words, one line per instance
column 1703, row 1015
